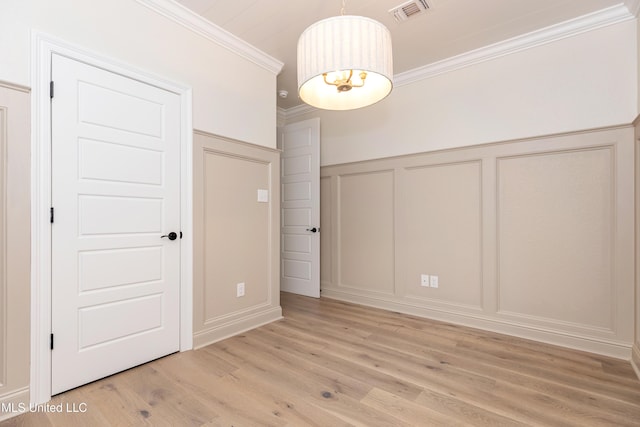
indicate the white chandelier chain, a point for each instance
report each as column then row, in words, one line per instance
column 343, row 7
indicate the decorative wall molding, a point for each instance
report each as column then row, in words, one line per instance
column 199, row 25
column 3, row 248
column 572, row 27
column 297, row 111
column 248, row 145
column 14, row 401
column 223, row 331
column 607, row 347
column 230, row 316
column 592, row 21
column 605, row 153
column 633, row 6
column 14, row 86
column 14, row 249
column 507, row 306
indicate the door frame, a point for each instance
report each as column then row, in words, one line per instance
column 42, row 47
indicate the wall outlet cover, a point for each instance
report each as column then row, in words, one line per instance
column 240, row 289
column 424, row 280
column 433, row 281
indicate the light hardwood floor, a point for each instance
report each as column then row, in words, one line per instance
column 330, row 363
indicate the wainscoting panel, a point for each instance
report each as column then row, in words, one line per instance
column 441, row 216
column 366, row 232
column 3, row 247
column 555, row 236
column 233, row 216
column 532, row 238
column 236, row 238
column 14, row 247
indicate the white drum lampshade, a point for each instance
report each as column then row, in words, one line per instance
column 344, row 63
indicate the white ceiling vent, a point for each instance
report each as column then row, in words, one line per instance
column 409, row 9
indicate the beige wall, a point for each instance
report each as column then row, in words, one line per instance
column 581, row 82
column 236, row 238
column 14, row 245
column 531, row 237
column 229, row 91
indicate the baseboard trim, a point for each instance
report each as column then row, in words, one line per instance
column 635, row 359
column 16, row 402
column 604, row 347
column 235, row 327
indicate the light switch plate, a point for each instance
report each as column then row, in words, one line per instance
column 263, row 196
column 240, row 289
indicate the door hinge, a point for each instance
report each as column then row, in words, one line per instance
column 51, row 89
column 51, row 216
column 51, row 342
column 181, row 234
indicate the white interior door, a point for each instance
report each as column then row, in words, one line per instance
column 300, row 180
column 115, row 192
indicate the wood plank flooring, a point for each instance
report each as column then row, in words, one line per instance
column 330, row 363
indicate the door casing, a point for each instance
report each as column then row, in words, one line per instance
column 42, row 47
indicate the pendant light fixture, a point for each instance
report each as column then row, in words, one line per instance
column 344, row 62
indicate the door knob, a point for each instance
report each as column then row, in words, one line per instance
column 314, row 229
column 171, row 236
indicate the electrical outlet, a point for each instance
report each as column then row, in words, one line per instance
column 433, row 281
column 240, row 290
column 424, row 280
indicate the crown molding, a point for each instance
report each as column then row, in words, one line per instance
column 199, row 25
column 572, row 27
column 633, row 6
column 609, row 16
column 298, row 110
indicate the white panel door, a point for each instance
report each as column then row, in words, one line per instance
column 115, row 192
column 300, row 180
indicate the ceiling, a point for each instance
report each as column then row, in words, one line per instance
column 448, row 28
